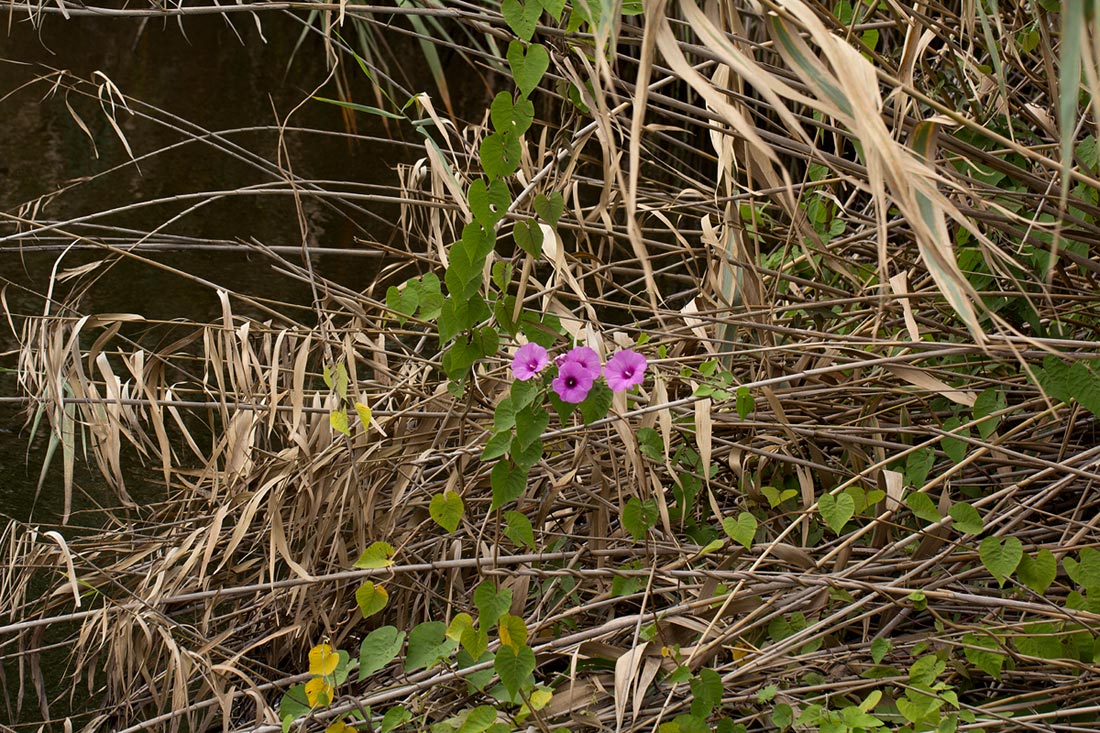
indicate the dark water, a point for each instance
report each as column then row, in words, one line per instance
column 211, row 74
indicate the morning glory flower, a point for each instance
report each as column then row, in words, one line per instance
column 530, row 359
column 625, row 370
column 586, row 357
column 573, row 382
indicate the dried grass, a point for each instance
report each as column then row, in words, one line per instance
column 685, row 222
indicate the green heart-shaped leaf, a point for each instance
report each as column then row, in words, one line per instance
column 741, row 530
column 1038, row 573
column 966, row 518
column 446, row 510
column 511, row 117
column 376, row 556
column 836, row 510
column 528, row 235
column 371, row 598
column 554, row 7
column 507, row 482
column 528, row 67
column 514, row 667
column 550, row 208
column 922, row 507
column 519, row 529
column 1000, row 557
column 490, row 202
column 500, row 154
column 379, row 649
column 521, row 17
column 491, row 603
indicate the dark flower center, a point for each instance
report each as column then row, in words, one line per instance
column 628, row 373
column 570, row 382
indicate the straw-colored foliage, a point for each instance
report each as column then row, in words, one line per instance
column 852, row 214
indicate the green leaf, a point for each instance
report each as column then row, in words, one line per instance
column 531, row 422
column 431, row 299
column 395, row 716
column 428, row 643
column 338, row 419
column 1039, row 640
column 491, row 603
column 525, row 456
column 459, row 358
column 979, row 652
column 371, row 598
column 514, row 667
column 836, row 510
column 706, row 692
column 554, row 7
column 967, row 519
column 1000, row 557
column 486, row 341
column 528, row 67
column 446, row 509
column 543, row 330
column 378, row 649
column 1085, row 571
column 508, row 483
column 922, row 507
column 500, row 154
column 1054, row 378
column 638, row 516
column 504, row 416
column 595, row 406
column 376, row 556
column 650, row 444
column 955, row 448
column 518, row 529
column 521, row 17
column 362, row 108
column 524, row 393
column 1038, row 573
column 988, row 402
column 475, row 681
column 550, row 208
column 741, row 530
column 458, row 315
column 293, row 705
column 489, row 203
column 782, row 716
column 528, row 236
column 404, row 301
column 1085, row 387
column 880, row 647
column 917, row 466
column 776, row 497
column 511, row 117
column 744, row 402
column 497, row 445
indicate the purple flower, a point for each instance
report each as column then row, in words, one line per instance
column 586, row 357
column 573, row 382
column 529, row 360
column 625, row 370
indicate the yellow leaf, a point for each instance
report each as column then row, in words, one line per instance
column 319, row 692
column 364, row 414
column 323, row 660
column 512, row 631
column 340, row 727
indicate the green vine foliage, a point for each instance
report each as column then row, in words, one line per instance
column 474, row 309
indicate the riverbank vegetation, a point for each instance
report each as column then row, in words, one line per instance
column 831, row 464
